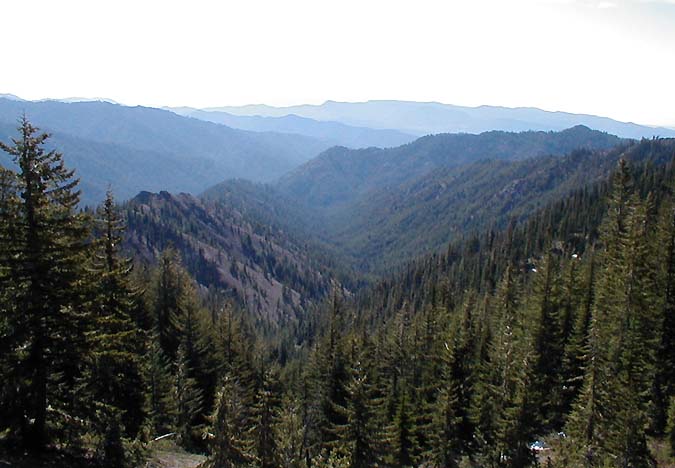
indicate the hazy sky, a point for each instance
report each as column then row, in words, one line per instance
column 613, row 58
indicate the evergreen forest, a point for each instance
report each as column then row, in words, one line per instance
column 535, row 327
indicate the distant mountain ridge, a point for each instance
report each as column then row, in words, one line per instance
column 422, row 118
column 140, row 148
column 333, row 133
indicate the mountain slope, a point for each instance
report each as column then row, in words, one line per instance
column 333, row 133
column 383, row 226
column 390, row 226
column 137, row 148
column 264, row 269
column 340, row 176
column 422, row 118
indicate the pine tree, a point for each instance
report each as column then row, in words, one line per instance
column 635, row 364
column 402, row 435
column 446, row 437
column 168, row 287
column 329, row 376
column 10, row 387
column 670, row 428
column 360, row 436
column 115, row 376
column 576, row 349
column 196, row 340
column 288, row 434
column 266, row 414
column 665, row 378
column 501, row 402
column 187, row 397
column 48, row 251
column 544, row 319
column 610, row 416
column 162, row 406
column 232, row 443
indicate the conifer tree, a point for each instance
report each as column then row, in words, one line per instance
column 329, row 380
column 360, row 435
column 402, row 438
column 610, row 416
column 266, row 414
column 670, row 428
column 288, row 434
column 545, row 391
column 167, row 293
column 232, row 443
column 49, row 246
column 635, row 357
column 10, row 397
column 576, row 349
column 115, row 376
column 187, row 397
column 196, row 341
column 501, row 404
column 162, row 406
column 665, row 376
column 446, row 437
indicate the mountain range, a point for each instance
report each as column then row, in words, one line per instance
column 364, row 210
column 334, row 133
column 132, row 149
column 423, row 118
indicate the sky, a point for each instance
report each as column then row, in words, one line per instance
column 613, row 58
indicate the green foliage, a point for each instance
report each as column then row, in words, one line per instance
column 232, row 442
column 288, row 435
column 162, row 406
column 115, row 376
column 187, row 397
column 44, row 309
column 671, row 425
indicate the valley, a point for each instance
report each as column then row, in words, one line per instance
column 253, row 297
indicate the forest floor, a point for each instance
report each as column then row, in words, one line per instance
column 174, row 459
column 661, row 451
column 167, row 454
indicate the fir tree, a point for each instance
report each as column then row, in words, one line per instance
column 664, row 387
column 187, row 397
column 115, row 377
column 288, row 434
column 48, row 251
column 547, row 344
column 232, row 443
column 266, row 414
column 360, row 435
column 162, row 406
column 446, row 437
column 167, row 293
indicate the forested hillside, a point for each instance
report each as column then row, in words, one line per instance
column 269, row 275
column 390, row 227
column 340, row 176
column 377, row 209
column 547, row 340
